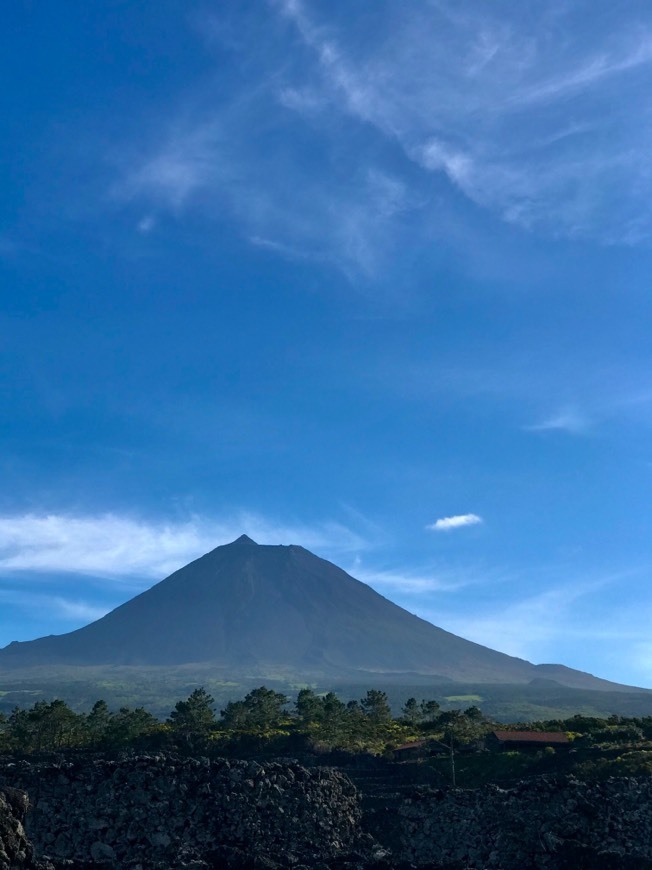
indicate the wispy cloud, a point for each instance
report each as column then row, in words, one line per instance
column 346, row 221
column 78, row 611
column 210, row 156
column 73, row 609
column 590, row 72
column 114, row 547
column 543, row 627
column 459, row 521
column 185, row 162
column 550, row 134
column 406, row 585
column 406, row 582
column 569, row 420
column 447, row 87
column 526, row 628
column 545, row 391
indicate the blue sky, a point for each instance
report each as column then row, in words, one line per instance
column 370, row 277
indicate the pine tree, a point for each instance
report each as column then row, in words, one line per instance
column 192, row 720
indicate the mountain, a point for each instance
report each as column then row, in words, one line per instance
column 270, row 609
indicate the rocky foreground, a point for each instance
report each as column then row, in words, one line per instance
column 166, row 812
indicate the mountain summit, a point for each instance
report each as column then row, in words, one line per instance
column 249, row 606
column 243, row 539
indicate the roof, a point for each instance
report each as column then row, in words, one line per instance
column 531, row 736
column 415, row 744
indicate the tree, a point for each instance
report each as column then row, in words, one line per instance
column 128, row 727
column 462, row 727
column 416, row 714
column 97, row 723
column 194, row 718
column 376, row 707
column 234, row 715
column 459, row 728
column 429, row 710
column 334, row 709
column 474, row 714
column 309, row 707
column 411, row 712
column 44, row 727
column 262, row 708
column 331, row 725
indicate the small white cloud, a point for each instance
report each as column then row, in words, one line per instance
column 445, row 524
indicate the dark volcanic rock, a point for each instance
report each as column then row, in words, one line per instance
column 163, row 811
column 546, row 822
column 16, row 852
column 577, row 856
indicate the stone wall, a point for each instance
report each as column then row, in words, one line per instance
column 16, row 852
column 166, row 811
column 540, row 823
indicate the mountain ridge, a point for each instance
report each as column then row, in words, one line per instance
column 245, row 605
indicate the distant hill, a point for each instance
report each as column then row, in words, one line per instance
column 249, row 608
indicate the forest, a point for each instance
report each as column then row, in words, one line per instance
column 266, row 723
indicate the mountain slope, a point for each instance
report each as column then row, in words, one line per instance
column 245, row 606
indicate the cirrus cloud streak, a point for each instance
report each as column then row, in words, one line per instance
column 113, row 546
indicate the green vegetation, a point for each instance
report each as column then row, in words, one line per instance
column 262, row 722
column 158, row 689
column 266, row 722
column 599, row 748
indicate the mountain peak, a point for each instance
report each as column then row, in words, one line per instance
column 277, row 609
column 244, row 539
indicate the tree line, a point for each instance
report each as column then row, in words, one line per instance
column 266, row 721
column 263, row 718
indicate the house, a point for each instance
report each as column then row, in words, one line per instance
column 407, row 751
column 526, row 739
